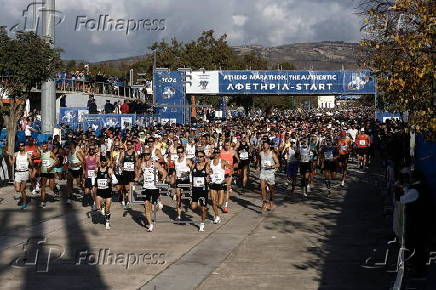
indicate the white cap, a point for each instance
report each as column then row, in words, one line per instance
column 362, row 130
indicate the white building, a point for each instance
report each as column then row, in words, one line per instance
column 325, row 102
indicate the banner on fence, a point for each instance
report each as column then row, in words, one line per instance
column 72, row 114
column 169, row 90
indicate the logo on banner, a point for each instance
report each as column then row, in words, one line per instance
column 203, row 84
column 168, row 92
column 358, row 81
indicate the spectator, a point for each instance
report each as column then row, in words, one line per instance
column 125, row 108
column 92, row 106
column 108, row 107
column 116, row 108
column 63, row 101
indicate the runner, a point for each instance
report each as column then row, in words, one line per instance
column 328, row 158
column 228, row 154
column 244, row 152
column 217, row 186
column 344, row 149
column 292, row 163
column 22, row 161
column 128, row 162
column 49, row 161
column 268, row 163
column 149, row 170
column 304, row 155
column 103, row 179
column 90, row 165
column 183, row 170
column 363, row 143
column 200, row 173
column 75, row 161
column 35, row 154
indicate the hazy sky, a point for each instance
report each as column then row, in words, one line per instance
column 264, row 22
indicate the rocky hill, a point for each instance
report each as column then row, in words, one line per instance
column 305, row 56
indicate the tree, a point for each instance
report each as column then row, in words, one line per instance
column 399, row 40
column 25, row 61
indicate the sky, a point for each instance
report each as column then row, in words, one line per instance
column 129, row 28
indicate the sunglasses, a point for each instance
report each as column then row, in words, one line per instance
column 200, row 156
column 180, row 151
column 20, row 145
column 147, row 154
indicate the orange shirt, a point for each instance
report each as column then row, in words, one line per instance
column 362, row 141
column 227, row 156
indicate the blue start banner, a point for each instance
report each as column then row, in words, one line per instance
column 169, row 90
column 295, row 82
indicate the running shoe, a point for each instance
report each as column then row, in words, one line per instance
column 23, row 206
column 343, row 183
column 108, row 226
column 160, row 204
column 68, row 201
column 150, row 228
column 201, row 228
column 42, row 205
column 304, row 192
column 34, row 192
column 308, row 188
column 217, row 220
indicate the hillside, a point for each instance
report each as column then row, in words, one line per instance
column 305, row 56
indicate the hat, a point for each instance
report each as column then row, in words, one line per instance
column 343, row 132
column 362, row 130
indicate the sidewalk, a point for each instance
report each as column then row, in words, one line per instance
column 315, row 243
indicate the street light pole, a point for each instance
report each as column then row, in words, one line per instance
column 48, row 89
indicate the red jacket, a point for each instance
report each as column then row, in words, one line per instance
column 124, row 108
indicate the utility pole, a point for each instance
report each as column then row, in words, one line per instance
column 48, row 89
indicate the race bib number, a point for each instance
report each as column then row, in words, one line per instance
column 149, row 175
column 129, row 166
column 305, row 158
column 243, row 155
column 173, row 157
column 362, row 142
column 217, row 178
column 102, row 183
column 91, row 173
column 198, row 181
column 328, row 155
column 46, row 163
column 267, row 164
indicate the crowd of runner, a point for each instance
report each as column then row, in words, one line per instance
column 201, row 162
